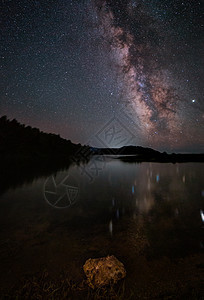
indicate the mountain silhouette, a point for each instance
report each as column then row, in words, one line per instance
column 20, row 144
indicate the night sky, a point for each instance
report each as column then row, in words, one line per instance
column 106, row 73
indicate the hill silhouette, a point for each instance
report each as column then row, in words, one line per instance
column 141, row 154
column 20, row 144
column 27, row 153
column 24, row 143
column 127, row 150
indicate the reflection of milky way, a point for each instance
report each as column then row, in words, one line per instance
column 147, row 90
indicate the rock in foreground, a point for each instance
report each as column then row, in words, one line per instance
column 103, row 271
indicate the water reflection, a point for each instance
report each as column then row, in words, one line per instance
column 61, row 192
column 202, row 215
column 151, row 210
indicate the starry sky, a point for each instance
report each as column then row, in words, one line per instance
column 106, row 73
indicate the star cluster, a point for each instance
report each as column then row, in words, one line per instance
column 70, row 66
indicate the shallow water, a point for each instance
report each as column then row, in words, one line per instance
column 148, row 215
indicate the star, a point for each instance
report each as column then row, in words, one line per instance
column 84, row 61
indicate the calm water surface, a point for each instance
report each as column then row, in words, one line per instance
column 148, row 215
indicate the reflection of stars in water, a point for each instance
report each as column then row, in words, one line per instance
column 202, row 214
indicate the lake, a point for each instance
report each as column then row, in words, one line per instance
column 149, row 215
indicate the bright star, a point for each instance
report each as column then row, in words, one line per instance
column 193, row 101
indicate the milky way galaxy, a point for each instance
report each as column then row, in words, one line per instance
column 73, row 67
column 136, row 48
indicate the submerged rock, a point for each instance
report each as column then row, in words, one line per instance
column 103, row 271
